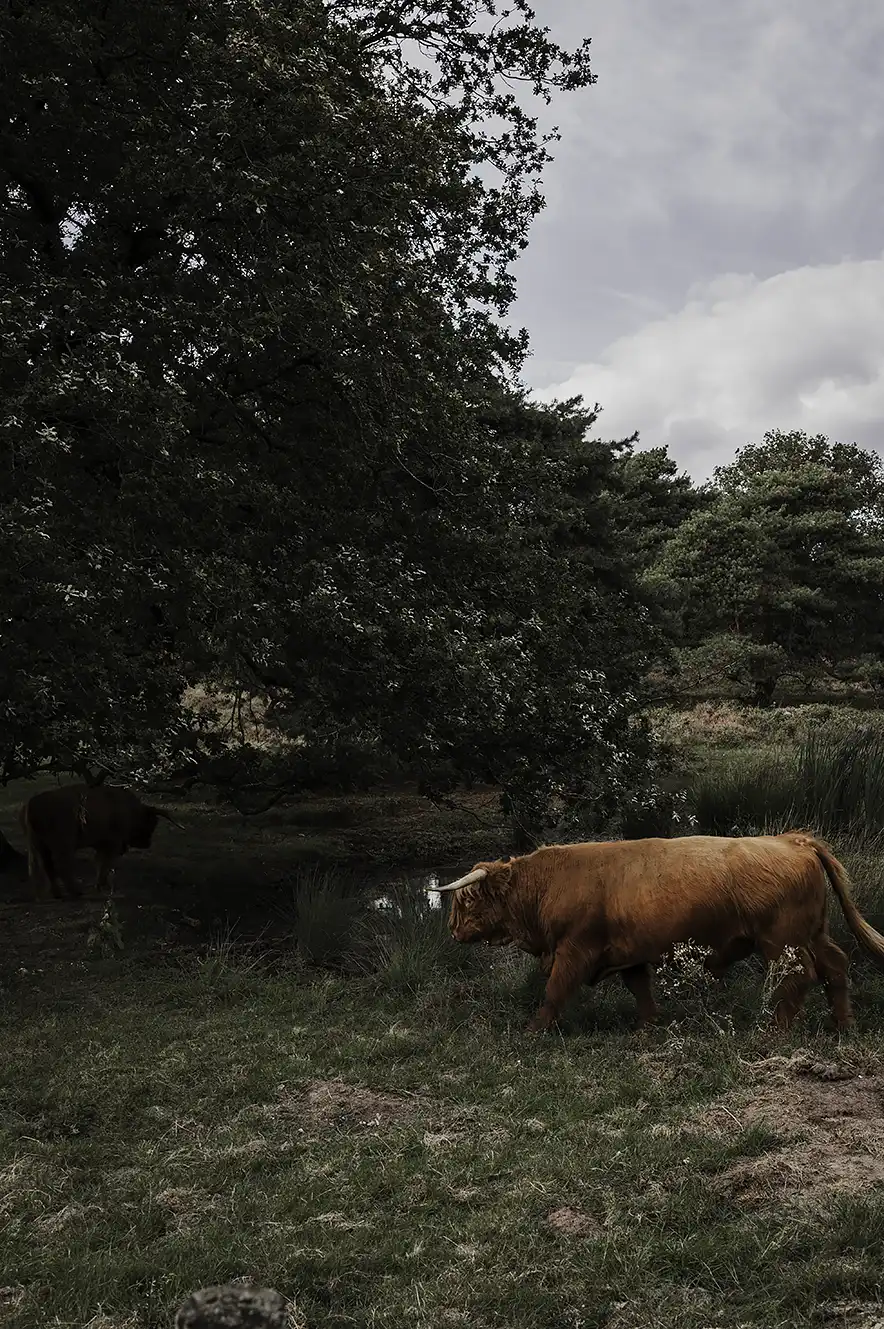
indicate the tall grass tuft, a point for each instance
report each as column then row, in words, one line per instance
column 229, row 967
column 407, row 944
column 830, row 782
column 323, row 909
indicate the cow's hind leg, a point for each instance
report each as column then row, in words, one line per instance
column 105, row 860
column 638, row 980
column 790, row 993
column 831, row 966
column 569, row 969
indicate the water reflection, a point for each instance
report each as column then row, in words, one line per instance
column 421, row 886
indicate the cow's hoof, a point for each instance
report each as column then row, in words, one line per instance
column 538, row 1026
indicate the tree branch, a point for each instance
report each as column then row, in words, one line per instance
column 265, row 677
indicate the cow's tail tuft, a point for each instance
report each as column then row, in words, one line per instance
column 871, row 941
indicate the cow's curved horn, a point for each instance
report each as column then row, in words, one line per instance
column 476, row 875
column 161, row 812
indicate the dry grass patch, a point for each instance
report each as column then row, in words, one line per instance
column 185, row 1207
column 102, row 1321
column 672, row 1304
column 67, row 1216
column 712, row 723
column 853, row 1315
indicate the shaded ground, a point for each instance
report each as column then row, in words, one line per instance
column 388, row 1148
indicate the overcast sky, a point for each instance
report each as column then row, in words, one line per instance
column 710, row 263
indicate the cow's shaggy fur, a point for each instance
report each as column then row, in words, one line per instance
column 590, row 910
column 59, row 822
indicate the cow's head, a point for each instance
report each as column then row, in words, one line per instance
column 479, row 909
column 145, row 823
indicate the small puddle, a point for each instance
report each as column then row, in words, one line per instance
column 421, row 886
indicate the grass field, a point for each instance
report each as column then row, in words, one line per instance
column 381, row 1142
column 390, row 1155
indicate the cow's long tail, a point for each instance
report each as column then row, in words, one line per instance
column 870, row 940
column 38, row 861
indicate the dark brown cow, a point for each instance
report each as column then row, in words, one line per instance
column 591, row 910
column 59, row 822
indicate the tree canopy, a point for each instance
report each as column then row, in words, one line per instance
column 262, row 421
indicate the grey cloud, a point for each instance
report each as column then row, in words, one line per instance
column 800, row 349
column 719, row 139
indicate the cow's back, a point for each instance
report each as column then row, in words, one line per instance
column 79, row 816
column 688, row 886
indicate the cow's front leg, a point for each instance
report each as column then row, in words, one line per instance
column 638, row 980
column 569, row 968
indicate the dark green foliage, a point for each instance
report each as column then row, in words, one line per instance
column 855, row 475
column 653, row 499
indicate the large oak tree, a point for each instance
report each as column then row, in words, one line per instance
column 261, row 416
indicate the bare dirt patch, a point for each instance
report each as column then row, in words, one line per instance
column 73, row 1213
column 573, row 1222
column 832, row 1115
column 185, row 1208
column 335, row 1102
